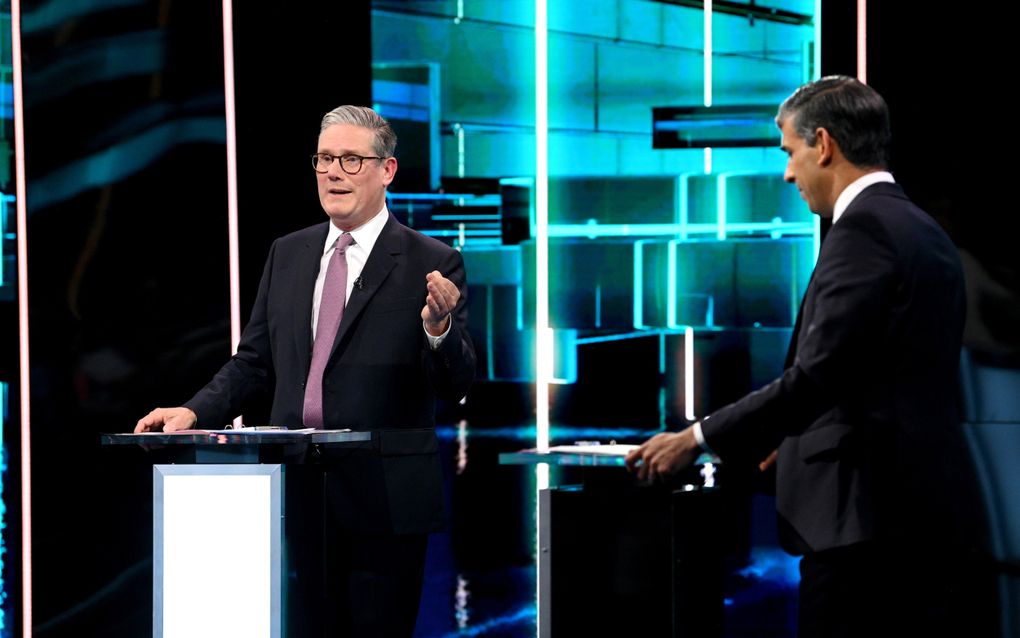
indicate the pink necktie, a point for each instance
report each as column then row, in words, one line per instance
column 331, row 310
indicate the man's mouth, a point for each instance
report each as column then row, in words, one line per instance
column 338, row 191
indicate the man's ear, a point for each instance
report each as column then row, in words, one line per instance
column 826, row 145
column 389, row 170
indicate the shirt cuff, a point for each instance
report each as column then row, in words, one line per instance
column 435, row 342
column 699, row 436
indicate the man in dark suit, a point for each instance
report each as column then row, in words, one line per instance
column 359, row 323
column 873, row 485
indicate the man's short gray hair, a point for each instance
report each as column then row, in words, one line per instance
column 385, row 139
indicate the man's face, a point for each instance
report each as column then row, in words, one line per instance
column 805, row 168
column 351, row 200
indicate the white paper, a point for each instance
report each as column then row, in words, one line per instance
column 615, row 449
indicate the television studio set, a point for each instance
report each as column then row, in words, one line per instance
column 507, row 319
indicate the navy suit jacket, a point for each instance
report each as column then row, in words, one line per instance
column 866, row 417
column 381, row 374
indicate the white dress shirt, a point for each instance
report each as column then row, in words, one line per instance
column 357, row 254
column 855, row 188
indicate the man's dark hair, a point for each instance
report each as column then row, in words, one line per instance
column 854, row 114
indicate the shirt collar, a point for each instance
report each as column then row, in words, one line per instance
column 855, row 188
column 364, row 235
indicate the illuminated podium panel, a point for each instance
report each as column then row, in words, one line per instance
column 237, row 526
column 217, row 531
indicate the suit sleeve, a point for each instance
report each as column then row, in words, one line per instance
column 248, row 373
column 451, row 367
column 838, row 351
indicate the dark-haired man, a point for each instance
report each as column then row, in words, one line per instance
column 873, row 483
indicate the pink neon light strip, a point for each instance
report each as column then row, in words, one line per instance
column 231, row 122
column 862, row 41
column 22, row 222
column 26, row 434
column 228, row 95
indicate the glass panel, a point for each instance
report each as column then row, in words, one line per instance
column 673, row 273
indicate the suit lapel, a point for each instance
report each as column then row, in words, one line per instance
column 307, row 270
column 382, row 260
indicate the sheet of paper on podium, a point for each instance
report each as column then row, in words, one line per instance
column 255, row 430
column 612, row 449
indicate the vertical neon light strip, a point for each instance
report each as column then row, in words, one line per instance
column 708, row 52
column 671, row 284
column 639, row 284
column 862, row 41
column 720, row 207
column 689, row 373
column 461, row 161
column 684, row 208
column 817, row 239
column 817, row 70
column 708, row 75
column 816, row 75
column 543, row 334
column 23, row 359
column 231, row 123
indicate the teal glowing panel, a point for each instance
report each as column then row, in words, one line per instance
column 642, row 239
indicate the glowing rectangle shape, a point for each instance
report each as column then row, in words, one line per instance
column 217, row 551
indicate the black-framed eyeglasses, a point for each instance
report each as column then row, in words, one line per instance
column 350, row 163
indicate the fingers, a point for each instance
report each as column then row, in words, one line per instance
column 636, row 463
column 633, row 458
column 442, row 291
column 769, row 461
column 167, row 420
column 652, row 469
column 437, row 307
column 151, row 422
column 642, row 461
column 442, row 298
column 661, row 456
column 434, row 317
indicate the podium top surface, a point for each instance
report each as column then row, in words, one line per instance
column 534, row 457
column 610, row 456
column 246, row 436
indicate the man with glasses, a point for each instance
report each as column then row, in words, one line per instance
column 359, row 323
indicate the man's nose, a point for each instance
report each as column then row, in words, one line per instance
column 335, row 171
column 788, row 176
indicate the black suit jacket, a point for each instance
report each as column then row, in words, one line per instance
column 866, row 417
column 381, row 374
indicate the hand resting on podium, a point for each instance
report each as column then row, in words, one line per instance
column 663, row 455
column 167, row 420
